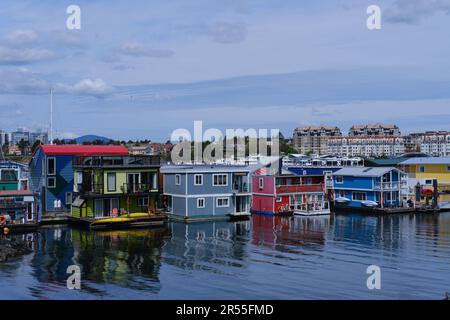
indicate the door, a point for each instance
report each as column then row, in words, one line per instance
column 133, row 181
column 98, row 208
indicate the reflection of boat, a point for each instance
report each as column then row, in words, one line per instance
column 369, row 203
column 342, row 200
column 444, row 205
column 134, row 220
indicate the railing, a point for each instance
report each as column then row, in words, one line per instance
column 311, row 207
column 299, row 188
column 131, row 188
column 90, row 188
column 390, row 185
column 116, row 161
column 241, row 188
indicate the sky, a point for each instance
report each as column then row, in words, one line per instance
column 141, row 69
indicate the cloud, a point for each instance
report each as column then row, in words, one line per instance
column 96, row 87
column 21, row 81
column 122, row 67
column 226, row 32
column 9, row 56
column 138, row 50
column 22, row 36
column 414, row 11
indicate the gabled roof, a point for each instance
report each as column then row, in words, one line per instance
column 427, row 160
column 364, row 171
column 83, row 150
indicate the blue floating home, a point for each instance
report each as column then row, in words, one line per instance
column 52, row 173
column 369, row 187
column 207, row 192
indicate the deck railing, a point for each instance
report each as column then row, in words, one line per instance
column 137, row 188
column 311, row 207
column 85, row 188
column 299, row 188
column 133, row 161
column 390, row 185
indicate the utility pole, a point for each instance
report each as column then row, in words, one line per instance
column 51, row 115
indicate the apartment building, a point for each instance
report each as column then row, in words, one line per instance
column 314, row 139
column 374, row 130
column 366, row 146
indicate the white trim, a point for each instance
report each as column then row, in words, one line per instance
column 353, row 196
column 47, row 184
column 54, row 160
column 220, row 185
column 179, row 182
column 222, row 198
column 339, row 176
column 195, row 179
column 200, row 195
column 260, row 183
column 204, row 203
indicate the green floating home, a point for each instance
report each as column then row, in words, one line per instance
column 110, row 186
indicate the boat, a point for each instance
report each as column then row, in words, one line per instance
column 369, row 203
column 126, row 221
column 343, row 200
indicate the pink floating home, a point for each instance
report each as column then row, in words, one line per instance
column 288, row 193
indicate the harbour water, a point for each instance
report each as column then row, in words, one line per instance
column 264, row 258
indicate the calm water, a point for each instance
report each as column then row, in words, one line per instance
column 265, row 258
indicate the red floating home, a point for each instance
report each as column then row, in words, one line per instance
column 289, row 193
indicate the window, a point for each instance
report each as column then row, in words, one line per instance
column 279, row 199
column 198, row 179
column 68, row 197
column 111, row 181
column 429, row 182
column 448, row 168
column 51, row 166
column 359, row 196
column 261, row 183
column 422, row 169
column 222, row 202
column 79, row 177
column 142, row 202
column 220, row 179
column 200, row 202
column 177, row 179
column 339, row 179
column 51, row 182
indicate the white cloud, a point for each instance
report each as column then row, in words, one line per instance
column 9, row 56
column 138, row 50
column 22, row 36
column 21, row 81
column 414, row 11
column 92, row 87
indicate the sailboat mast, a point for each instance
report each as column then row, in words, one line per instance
column 51, row 115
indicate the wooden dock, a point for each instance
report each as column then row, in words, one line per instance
column 385, row 211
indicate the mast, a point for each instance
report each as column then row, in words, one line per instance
column 51, row 115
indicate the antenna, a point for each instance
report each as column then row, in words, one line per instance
column 51, row 115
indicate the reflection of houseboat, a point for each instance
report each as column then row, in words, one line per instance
column 18, row 209
column 288, row 193
column 370, row 188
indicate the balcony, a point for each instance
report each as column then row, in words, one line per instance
column 396, row 185
column 90, row 189
column 132, row 161
column 138, row 188
column 241, row 188
column 299, row 188
column 311, row 208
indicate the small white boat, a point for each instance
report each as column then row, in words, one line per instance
column 369, row 203
column 342, row 200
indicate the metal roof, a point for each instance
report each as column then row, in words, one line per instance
column 208, row 168
column 364, row 171
column 83, row 150
column 428, row 160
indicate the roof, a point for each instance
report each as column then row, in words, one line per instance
column 385, row 162
column 364, row 171
column 201, row 168
column 428, row 160
column 4, row 193
column 83, row 150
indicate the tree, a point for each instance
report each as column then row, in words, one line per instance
column 36, row 144
column 23, row 145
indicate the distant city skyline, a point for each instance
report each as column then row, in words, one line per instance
column 142, row 70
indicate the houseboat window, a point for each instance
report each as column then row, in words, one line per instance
column 51, row 182
column 51, row 166
column 278, row 199
column 177, row 179
column 143, row 202
column 200, row 202
column 448, row 168
column 339, row 179
column 220, row 179
column 198, row 179
column 222, row 202
column 359, row 196
column 79, row 177
column 428, row 182
column 422, row 168
column 29, row 211
column 68, row 197
column 261, row 183
column 111, row 179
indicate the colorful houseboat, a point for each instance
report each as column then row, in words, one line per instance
column 207, row 192
column 370, row 187
column 288, row 193
column 117, row 191
column 18, row 209
column 51, row 173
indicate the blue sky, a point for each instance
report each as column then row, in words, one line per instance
column 140, row 69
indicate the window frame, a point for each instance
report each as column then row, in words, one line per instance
column 261, row 183
column 222, row 206
column 220, row 175
column 198, row 175
column 53, row 186
column 198, row 203
column 111, row 174
column 341, row 181
column 361, row 193
column 54, row 166
column 71, row 197
column 178, row 179
column 141, row 202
